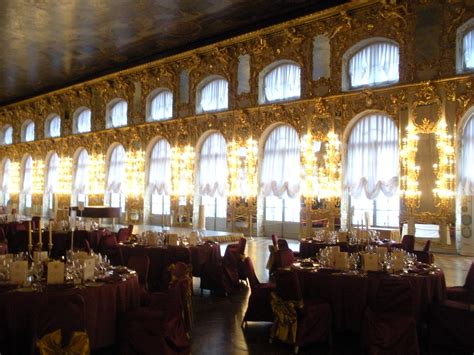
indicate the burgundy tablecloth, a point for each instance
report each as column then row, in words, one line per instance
column 349, row 294
column 310, row 247
column 104, row 304
column 202, row 254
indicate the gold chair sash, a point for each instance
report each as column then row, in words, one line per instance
column 50, row 344
column 286, row 318
column 188, row 312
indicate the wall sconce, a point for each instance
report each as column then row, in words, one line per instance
column 444, row 170
column 14, row 183
column 410, row 171
column 38, row 177
column 65, row 176
column 135, row 170
column 97, row 174
column 329, row 175
column 309, row 164
column 182, row 167
column 242, row 168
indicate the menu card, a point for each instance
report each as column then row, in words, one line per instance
column 172, row 239
column 55, row 272
column 370, row 262
column 39, row 256
column 89, row 268
column 397, row 260
column 19, row 272
column 333, row 252
column 381, row 253
column 193, row 238
column 342, row 261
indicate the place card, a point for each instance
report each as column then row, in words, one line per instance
column 89, row 268
column 55, row 273
column 398, row 261
column 381, row 253
column 172, row 239
column 19, row 272
column 193, row 238
column 39, row 256
column 370, row 262
column 342, row 261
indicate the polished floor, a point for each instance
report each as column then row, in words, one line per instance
column 217, row 320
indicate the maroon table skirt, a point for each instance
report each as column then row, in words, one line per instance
column 350, row 294
column 104, row 304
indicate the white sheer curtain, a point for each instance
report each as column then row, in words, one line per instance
column 55, row 127
column 81, row 175
column 283, row 82
column 118, row 114
column 159, row 173
column 161, row 107
column 374, row 64
column 281, row 163
column 5, row 176
column 8, row 135
column 27, row 183
column 372, row 158
column 29, row 134
column 53, row 174
column 468, row 49
column 213, row 166
column 214, row 96
column 116, row 172
column 467, row 157
column 83, row 121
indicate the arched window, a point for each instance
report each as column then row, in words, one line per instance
column 213, row 179
column 82, row 120
column 53, row 126
column 375, row 64
column 5, row 182
column 280, row 179
column 28, row 131
column 117, row 115
column 213, row 96
column 115, row 188
column 161, row 106
column 372, row 171
column 7, row 135
column 52, row 179
column 81, row 177
column 159, row 179
column 282, row 83
column 26, row 184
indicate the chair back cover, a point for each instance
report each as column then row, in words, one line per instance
column 253, row 279
column 108, row 241
column 427, row 246
column 394, row 296
column 275, row 240
column 283, row 258
column 242, row 245
column 122, row 235
column 282, row 244
column 141, row 264
column 408, row 242
column 288, row 285
column 470, row 278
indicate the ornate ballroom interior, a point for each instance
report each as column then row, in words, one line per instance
column 253, row 117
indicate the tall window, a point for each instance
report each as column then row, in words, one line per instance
column 280, row 175
column 81, row 178
column 372, row 171
column 468, row 50
column 5, row 182
column 26, row 183
column 161, row 106
column 159, row 178
column 82, row 121
column 373, row 65
column 117, row 114
column 115, row 188
column 467, row 156
column 28, row 131
column 213, row 96
column 53, row 127
column 8, row 135
column 282, row 83
column 213, row 176
column 52, row 180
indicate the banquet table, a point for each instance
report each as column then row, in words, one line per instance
column 161, row 257
column 310, row 247
column 104, row 303
column 350, row 293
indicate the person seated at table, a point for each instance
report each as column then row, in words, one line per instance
column 13, row 216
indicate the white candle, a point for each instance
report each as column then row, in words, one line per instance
column 72, row 239
column 40, row 235
column 30, row 237
column 50, row 233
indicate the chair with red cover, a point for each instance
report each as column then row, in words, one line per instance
column 239, row 254
column 64, row 312
column 181, row 273
column 282, row 258
column 108, row 245
column 258, row 308
column 389, row 324
column 122, row 235
column 141, row 264
column 451, row 329
column 275, row 240
column 463, row 293
column 407, row 243
column 298, row 321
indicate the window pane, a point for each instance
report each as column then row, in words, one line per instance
column 55, row 127
column 214, row 96
column 84, row 121
column 118, row 114
column 29, row 132
column 160, row 204
column 8, row 135
column 161, row 106
column 282, row 83
column 292, row 209
column 273, row 208
column 375, row 64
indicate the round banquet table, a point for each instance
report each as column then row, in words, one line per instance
column 310, row 247
column 349, row 294
column 104, row 303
